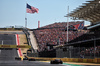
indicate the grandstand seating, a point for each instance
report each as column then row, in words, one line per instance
column 55, row 34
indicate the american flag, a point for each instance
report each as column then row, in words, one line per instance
column 31, row 9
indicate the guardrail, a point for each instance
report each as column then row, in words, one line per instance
column 28, row 38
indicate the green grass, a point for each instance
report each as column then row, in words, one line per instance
column 72, row 64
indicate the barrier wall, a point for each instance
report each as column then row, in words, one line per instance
column 96, row 60
column 15, row 46
column 11, row 28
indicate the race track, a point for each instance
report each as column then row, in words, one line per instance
column 27, row 63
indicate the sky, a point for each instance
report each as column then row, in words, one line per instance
column 13, row 12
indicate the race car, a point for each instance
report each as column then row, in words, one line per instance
column 17, row 58
column 31, row 59
column 56, row 61
column 25, row 58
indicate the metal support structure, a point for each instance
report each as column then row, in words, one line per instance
column 70, row 51
column 79, row 51
column 94, row 46
column 25, row 22
column 26, row 16
column 67, row 22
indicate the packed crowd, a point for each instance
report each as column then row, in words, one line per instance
column 55, row 34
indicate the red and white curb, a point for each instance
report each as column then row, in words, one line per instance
column 17, row 42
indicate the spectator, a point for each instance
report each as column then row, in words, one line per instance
column 53, row 32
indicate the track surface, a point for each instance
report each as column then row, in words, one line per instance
column 7, row 55
column 27, row 63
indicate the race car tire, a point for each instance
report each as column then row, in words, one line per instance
column 25, row 58
column 61, row 62
column 31, row 59
column 17, row 58
column 51, row 62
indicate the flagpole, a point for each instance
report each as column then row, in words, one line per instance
column 25, row 21
column 67, row 22
column 26, row 16
column 68, row 30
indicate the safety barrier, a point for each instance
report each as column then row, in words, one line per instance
column 15, row 46
column 28, row 38
column 96, row 60
column 11, row 29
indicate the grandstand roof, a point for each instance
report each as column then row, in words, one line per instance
column 88, row 11
column 94, row 26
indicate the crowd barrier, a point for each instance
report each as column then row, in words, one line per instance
column 96, row 60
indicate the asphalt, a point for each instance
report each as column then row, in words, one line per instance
column 11, row 32
column 27, row 63
column 7, row 54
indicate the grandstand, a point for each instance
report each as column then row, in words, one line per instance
column 81, row 43
column 55, row 34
